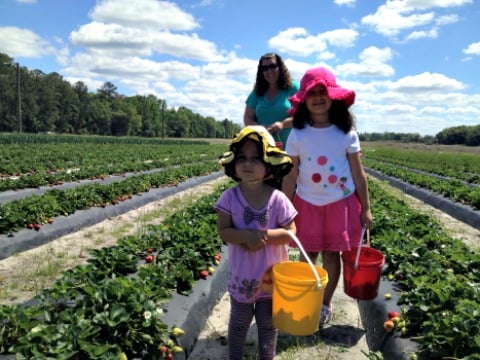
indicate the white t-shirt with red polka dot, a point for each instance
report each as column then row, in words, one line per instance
column 324, row 172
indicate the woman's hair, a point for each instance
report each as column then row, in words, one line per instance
column 338, row 115
column 230, row 167
column 284, row 78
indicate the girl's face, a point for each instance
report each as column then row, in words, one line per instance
column 249, row 167
column 317, row 101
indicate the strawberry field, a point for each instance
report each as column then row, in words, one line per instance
column 111, row 307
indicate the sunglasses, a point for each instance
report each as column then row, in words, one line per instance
column 268, row 67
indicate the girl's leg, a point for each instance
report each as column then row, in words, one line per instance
column 332, row 264
column 241, row 316
column 267, row 334
column 312, row 255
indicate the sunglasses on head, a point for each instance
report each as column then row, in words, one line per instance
column 268, row 67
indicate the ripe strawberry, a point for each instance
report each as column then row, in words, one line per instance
column 218, row 256
column 204, row 274
column 388, row 326
column 37, row 227
column 50, row 221
column 104, row 204
column 30, row 226
column 393, row 314
column 163, row 349
column 150, row 251
column 148, row 258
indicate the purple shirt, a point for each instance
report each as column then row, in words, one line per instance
column 246, row 268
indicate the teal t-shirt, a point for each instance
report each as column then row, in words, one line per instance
column 269, row 111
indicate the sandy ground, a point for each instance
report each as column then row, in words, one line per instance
column 343, row 338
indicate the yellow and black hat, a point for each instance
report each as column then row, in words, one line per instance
column 276, row 160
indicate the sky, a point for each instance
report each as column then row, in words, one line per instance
column 414, row 64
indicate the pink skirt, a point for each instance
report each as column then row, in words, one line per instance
column 331, row 227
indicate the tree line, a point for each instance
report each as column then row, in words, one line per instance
column 48, row 103
column 457, row 135
column 51, row 104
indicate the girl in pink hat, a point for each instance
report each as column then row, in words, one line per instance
column 327, row 183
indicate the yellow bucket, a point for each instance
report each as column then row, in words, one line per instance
column 297, row 297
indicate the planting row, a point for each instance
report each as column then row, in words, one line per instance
column 437, row 277
column 35, row 211
column 112, row 307
column 449, row 162
column 453, row 189
column 38, row 165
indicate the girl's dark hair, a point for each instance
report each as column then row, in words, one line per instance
column 230, row 167
column 284, row 78
column 338, row 115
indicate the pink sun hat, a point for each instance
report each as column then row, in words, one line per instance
column 320, row 76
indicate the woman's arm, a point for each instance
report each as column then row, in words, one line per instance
column 361, row 186
column 249, row 117
column 278, row 126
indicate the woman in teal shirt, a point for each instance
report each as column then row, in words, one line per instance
column 268, row 103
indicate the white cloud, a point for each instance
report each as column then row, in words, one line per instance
column 473, row 49
column 372, row 64
column 349, row 3
column 415, row 35
column 298, row 42
column 427, row 82
column 396, row 16
column 23, row 43
column 159, row 15
column 391, row 19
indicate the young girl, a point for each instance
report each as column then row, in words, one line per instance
column 327, row 182
column 254, row 219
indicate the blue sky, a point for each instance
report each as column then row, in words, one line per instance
column 414, row 64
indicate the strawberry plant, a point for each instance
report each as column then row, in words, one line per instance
column 111, row 307
column 438, row 279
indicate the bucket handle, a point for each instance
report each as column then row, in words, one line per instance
column 360, row 243
column 305, row 255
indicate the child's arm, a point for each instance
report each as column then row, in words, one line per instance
column 281, row 235
column 361, row 185
column 249, row 239
column 290, row 180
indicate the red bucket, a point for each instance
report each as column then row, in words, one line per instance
column 362, row 283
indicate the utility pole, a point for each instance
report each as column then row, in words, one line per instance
column 19, row 100
column 163, row 119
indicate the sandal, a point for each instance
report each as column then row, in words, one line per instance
column 326, row 315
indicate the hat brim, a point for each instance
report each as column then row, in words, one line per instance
column 277, row 159
column 334, row 93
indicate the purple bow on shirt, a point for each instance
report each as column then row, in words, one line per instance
column 249, row 215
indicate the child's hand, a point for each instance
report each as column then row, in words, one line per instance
column 255, row 240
